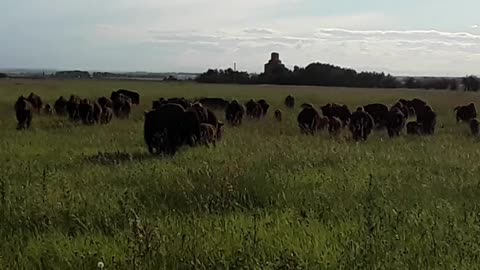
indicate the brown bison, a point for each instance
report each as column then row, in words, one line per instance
column 234, row 113
column 264, row 105
column 207, row 134
column 85, row 111
column 475, row 127
column 213, row 120
column 105, row 102
column 278, row 115
column 335, row 125
column 73, row 105
column 378, row 112
column 395, row 122
column 465, row 113
column 214, row 103
column 200, row 111
column 122, row 106
column 361, row 125
column 290, row 102
column 337, row 110
column 60, row 106
column 414, row 128
column 134, row 96
column 428, row 121
column 36, row 102
column 403, row 108
column 106, row 116
column 169, row 127
column 48, row 109
column 308, row 120
column 24, row 112
column 254, row 109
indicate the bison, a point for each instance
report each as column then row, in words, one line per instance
column 24, row 112
column 414, row 128
column 48, row 109
column 73, row 105
column 134, row 96
column 395, row 122
column 60, row 106
column 106, row 116
column 290, row 102
column 428, row 121
column 278, row 115
column 308, row 120
column 254, row 109
column 335, row 125
column 465, row 113
column 337, row 110
column 264, row 105
column 36, row 102
column 85, row 111
column 122, row 106
column 234, row 113
column 361, row 124
column 475, row 127
column 214, row 103
column 378, row 112
column 105, row 102
column 207, row 134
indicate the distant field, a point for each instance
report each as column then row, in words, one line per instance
column 265, row 198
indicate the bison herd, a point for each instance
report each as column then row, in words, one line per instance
column 174, row 122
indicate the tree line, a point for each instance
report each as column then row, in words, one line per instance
column 318, row 74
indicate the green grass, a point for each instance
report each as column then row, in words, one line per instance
column 265, row 198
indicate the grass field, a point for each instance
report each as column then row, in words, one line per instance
column 265, row 198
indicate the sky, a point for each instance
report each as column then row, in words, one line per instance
column 408, row 37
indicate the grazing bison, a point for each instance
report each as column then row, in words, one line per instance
column 264, row 105
column 61, row 106
column 169, row 127
column 36, row 102
column 418, row 107
column 24, row 113
column 207, row 134
column 254, row 109
column 213, row 120
column 122, row 106
column 234, row 113
column 361, row 125
column 403, row 108
column 106, row 116
column 378, row 112
column 428, row 121
column 105, row 102
column 475, row 127
column 85, row 111
column 308, row 120
column 334, row 126
column 200, row 111
column 73, row 105
column 465, row 113
column 48, row 109
column 290, row 102
column 414, row 128
column 337, row 110
column 214, row 103
column 395, row 122
column 278, row 115
column 134, row 96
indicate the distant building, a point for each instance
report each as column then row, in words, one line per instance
column 75, row 74
column 274, row 65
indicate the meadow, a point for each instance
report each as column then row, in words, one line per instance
column 266, row 197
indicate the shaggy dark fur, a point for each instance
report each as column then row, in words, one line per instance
column 254, row 109
column 361, row 125
column 122, row 106
column 73, row 105
column 429, row 121
column 290, row 102
column 36, row 102
column 308, row 120
column 414, row 128
column 334, row 126
column 134, row 96
column 23, row 112
column 395, row 122
column 107, row 115
column 337, row 110
column 465, row 113
column 207, row 134
column 378, row 112
column 48, row 109
column 214, row 103
column 234, row 113
column 264, row 105
column 105, row 102
column 61, row 106
column 278, row 115
column 475, row 127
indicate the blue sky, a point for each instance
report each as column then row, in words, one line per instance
column 422, row 37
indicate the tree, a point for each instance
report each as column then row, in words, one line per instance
column 470, row 83
column 3, row 75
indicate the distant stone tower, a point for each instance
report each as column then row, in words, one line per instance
column 274, row 64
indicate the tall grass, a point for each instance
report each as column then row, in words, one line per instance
column 265, row 198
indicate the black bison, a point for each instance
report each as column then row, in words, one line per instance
column 85, row 111
column 278, row 115
column 395, row 122
column 290, row 102
column 234, row 113
column 60, row 106
column 428, row 121
column 24, row 112
column 213, row 120
column 403, row 108
column 168, row 127
column 465, row 113
column 378, row 112
column 48, row 109
column 308, row 120
column 361, row 125
column 475, row 127
column 214, row 103
column 73, row 105
column 335, row 125
column 185, row 103
column 254, row 109
column 414, row 128
column 417, row 106
column 337, row 110
column 134, row 96
column 122, row 106
column 264, row 105
column 106, row 116
column 105, row 102
column 201, row 112
column 36, row 102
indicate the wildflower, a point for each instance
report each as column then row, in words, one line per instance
column 100, row 265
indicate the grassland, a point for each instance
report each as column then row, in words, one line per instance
column 265, row 198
